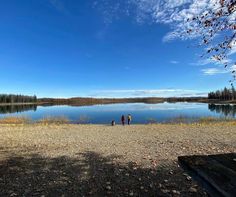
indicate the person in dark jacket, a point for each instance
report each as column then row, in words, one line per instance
column 113, row 123
column 123, row 120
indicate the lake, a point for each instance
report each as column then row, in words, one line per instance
column 141, row 113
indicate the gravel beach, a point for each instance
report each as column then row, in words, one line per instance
column 101, row 160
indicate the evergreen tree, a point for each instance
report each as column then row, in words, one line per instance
column 11, row 98
column 225, row 94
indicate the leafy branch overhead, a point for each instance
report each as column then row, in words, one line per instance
column 217, row 28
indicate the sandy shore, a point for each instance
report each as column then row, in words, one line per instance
column 100, row 160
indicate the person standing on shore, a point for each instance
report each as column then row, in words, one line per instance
column 113, row 123
column 129, row 118
column 123, row 120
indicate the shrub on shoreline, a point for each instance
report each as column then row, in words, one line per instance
column 85, row 120
column 54, row 120
column 15, row 120
column 215, row 120
column 193, row 120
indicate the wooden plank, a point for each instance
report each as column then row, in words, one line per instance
column 228, row 160
column 221, row 178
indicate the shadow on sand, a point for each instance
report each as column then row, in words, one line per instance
column 216, row 173
column 89, row 174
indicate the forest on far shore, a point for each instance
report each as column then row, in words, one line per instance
column 224, row 95
column 17, row 98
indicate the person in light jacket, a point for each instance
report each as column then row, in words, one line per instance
column 129, row 118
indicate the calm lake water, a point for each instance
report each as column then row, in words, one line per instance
column 141, row 113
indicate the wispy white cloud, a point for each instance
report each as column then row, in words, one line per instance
column 147, row 93
column 161, row 11
column 218, row 69
column 59, row 6
column 112, row 10
column 203, row 62
column 233, row 68
column 213, row 71
column 174, row 62
column 233, row 45
column 175, row 14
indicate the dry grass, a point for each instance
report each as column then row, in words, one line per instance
column 26, row 120
column 15, row 120
column 54, row 120
column 201, row 120
column 182, row 119
column 83, row 119
column 151, row 121
column 215, row 120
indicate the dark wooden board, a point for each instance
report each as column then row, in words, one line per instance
column 228, row 160
column 215, row 171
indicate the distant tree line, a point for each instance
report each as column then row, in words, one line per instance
column 17, row 98
column 225, row 94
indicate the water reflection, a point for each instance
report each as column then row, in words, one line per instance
column 7, row 109
column 226, row 110
column 141, row 112
column 126, row 107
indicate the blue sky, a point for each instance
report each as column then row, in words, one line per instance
column 68, row 48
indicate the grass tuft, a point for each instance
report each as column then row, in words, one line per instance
column 208, row 120
column 15, row 120
column 54, row 120
column 83, row 119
